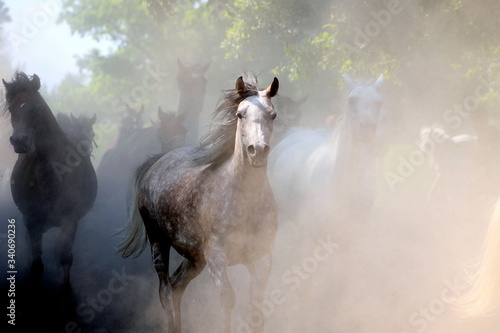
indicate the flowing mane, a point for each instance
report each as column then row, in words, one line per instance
column 218, row 144
column 21, row 82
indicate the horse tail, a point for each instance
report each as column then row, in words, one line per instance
column 136, row 238
column 482, row 299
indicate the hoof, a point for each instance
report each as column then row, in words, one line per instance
column 36, row 272
column 65, row 295
column 66, row 289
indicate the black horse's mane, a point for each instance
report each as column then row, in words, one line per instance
column 21, row 82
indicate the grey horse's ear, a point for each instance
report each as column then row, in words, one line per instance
column 272, row 90
column 240, row 86
column 93, row 119
column 348, row 81
column 73, row 118
column 35, row 82
column 379, row 81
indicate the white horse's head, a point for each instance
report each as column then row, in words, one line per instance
column 255, row 124
column 365, row 103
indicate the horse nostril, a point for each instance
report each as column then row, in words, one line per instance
column 20, row 143
column 266, row 150
column 20, row 139
column 251, row 150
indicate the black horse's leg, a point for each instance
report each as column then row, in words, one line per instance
column 35, row 234
column 186, row 272
column 216, row 260
column 65, row 242
column 259, row 273
column 161, row 253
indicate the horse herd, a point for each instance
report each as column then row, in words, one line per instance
column 216, row 203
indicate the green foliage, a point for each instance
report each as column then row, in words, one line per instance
column 420, row 46
column 141, row 66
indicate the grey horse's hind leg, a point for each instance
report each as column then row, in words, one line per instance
column 161, row 254
column 186, row 272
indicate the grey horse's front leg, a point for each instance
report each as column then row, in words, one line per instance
column 259, row 273
column 217, row 265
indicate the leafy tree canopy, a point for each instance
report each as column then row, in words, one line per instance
column 421, row 46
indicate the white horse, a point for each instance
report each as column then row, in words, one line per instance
column 322, row 174
column 484, row 296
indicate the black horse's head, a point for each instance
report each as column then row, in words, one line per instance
column 24, row 104
column 131, row 121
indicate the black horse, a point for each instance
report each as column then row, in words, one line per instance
column 80, row 130
column 53, row 182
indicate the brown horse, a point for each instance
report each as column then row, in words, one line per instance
column 53, row 183
column 213, row 204
column 163, row 136
column 192, row 85
column 115, row 172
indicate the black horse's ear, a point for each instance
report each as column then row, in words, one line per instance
column 6, row 85
column 161, row 114
column 35, row 82
column 240, row 86
column 272, row 90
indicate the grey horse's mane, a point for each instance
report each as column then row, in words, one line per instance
column 218, row 144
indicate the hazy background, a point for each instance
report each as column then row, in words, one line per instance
column 441, row 63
